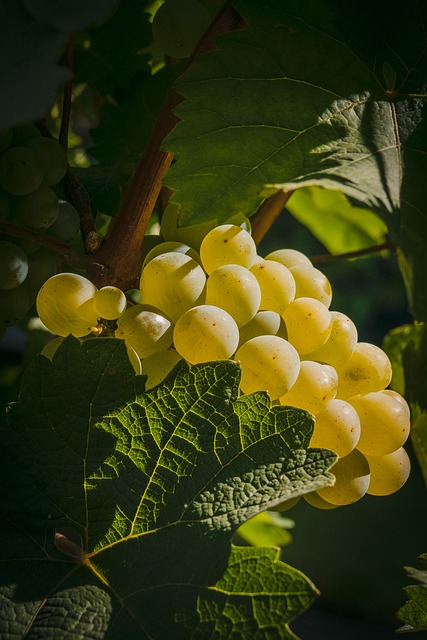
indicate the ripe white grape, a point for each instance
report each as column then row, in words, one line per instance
column 384, row 421
column 352, row 478
column 38, row 209
column 341, row 343
column 314, row 500
column 145, row 329
column 235, row 289
column 13, row 265
column 109, row 302
column 178, row 25
column 269, row 363
column 337, row 427
column 277, row 285
column 264, row 323
column 20, row 171
column 285, row 505
column 368, row 369
column 205, row 333
column 311, row 283
column 315, row 386
column 173, row 282
column 65, row 305
column 388, row 473
column 51, row 347
column 308, row 323
column 167, row 247
column 67, row 224
column 227, row 244
column 157, row 366
column 52, row 157
column 289, row 258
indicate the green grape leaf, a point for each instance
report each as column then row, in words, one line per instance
column 106, row 59
column 299, row 98
column 118, row 505
column 414, row 612
column 333, row 220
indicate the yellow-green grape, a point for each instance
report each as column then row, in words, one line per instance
column 178, row 25
column 368, row 369
column 109, row 302
column 20, row 171
column 289, row 258
column 384, row 421
column 388, row 473
column 315, row 386
column 145, row 329
column 277, row 285
column 157, row 366
column 52, row 158
column 314, row 500
column 235, row 289
column 173, row 282
column 205, row 333
column 38, row 209
column 51, row 347
column 341, row 343
column 13, row 265
column 264, row 323
column 269, row 363
column 227, row 244
column 65, row 305
column 311, row 283
column 167, row 247
column 352, row 478
column 337, row 427
column 14, row 305
column 308, row 323
column 285, row 505
column 134, row 360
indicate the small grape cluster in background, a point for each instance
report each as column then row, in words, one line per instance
column 31, row 166
column 215, row 298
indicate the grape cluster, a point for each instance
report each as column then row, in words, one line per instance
column 273, row 316
column 30, row 166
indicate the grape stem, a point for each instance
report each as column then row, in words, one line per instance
column 322, row 259
column 118, row 260
column 267, row 213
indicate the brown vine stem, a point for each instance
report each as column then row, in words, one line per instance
column 118, row 261
column 68, row 254
column 267, row 213
column 322, row 259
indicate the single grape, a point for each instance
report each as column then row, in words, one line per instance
column 150, row 242
column 368, row 369
column 384, row 421
column 388, row 473
column 65, row 305
column 173, row 282
column 67, row 224
column 308, row 323
column 269, row 363
column 205, row 333
column 235, row 289
column 37, row 210
column 157, row 366
column 145, row 329
column 178, row 25
column 109, row 302
column 315, row 386
column 286, row 505
column 227, row 244
column 352, row 478
column 52, row 158
column 13, row 265
column 51, row 347
column 171, row 246
column 314, row 500
column 337, row 427
column 289, row 258
column 341, row 343
column 277, row 285
column 14, row 305
column 264, row 323
column 311, row 283
column 20, row 171
column 24, row 132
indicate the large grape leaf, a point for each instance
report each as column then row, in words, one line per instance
column 311, row 93
column 118, row 505
column 414, row 612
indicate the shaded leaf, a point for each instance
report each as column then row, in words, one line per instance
column 71, row 15
column 414, row 612
column 154, row 484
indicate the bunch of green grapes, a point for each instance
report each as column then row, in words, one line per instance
column 30, row 167
column 273, row 316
